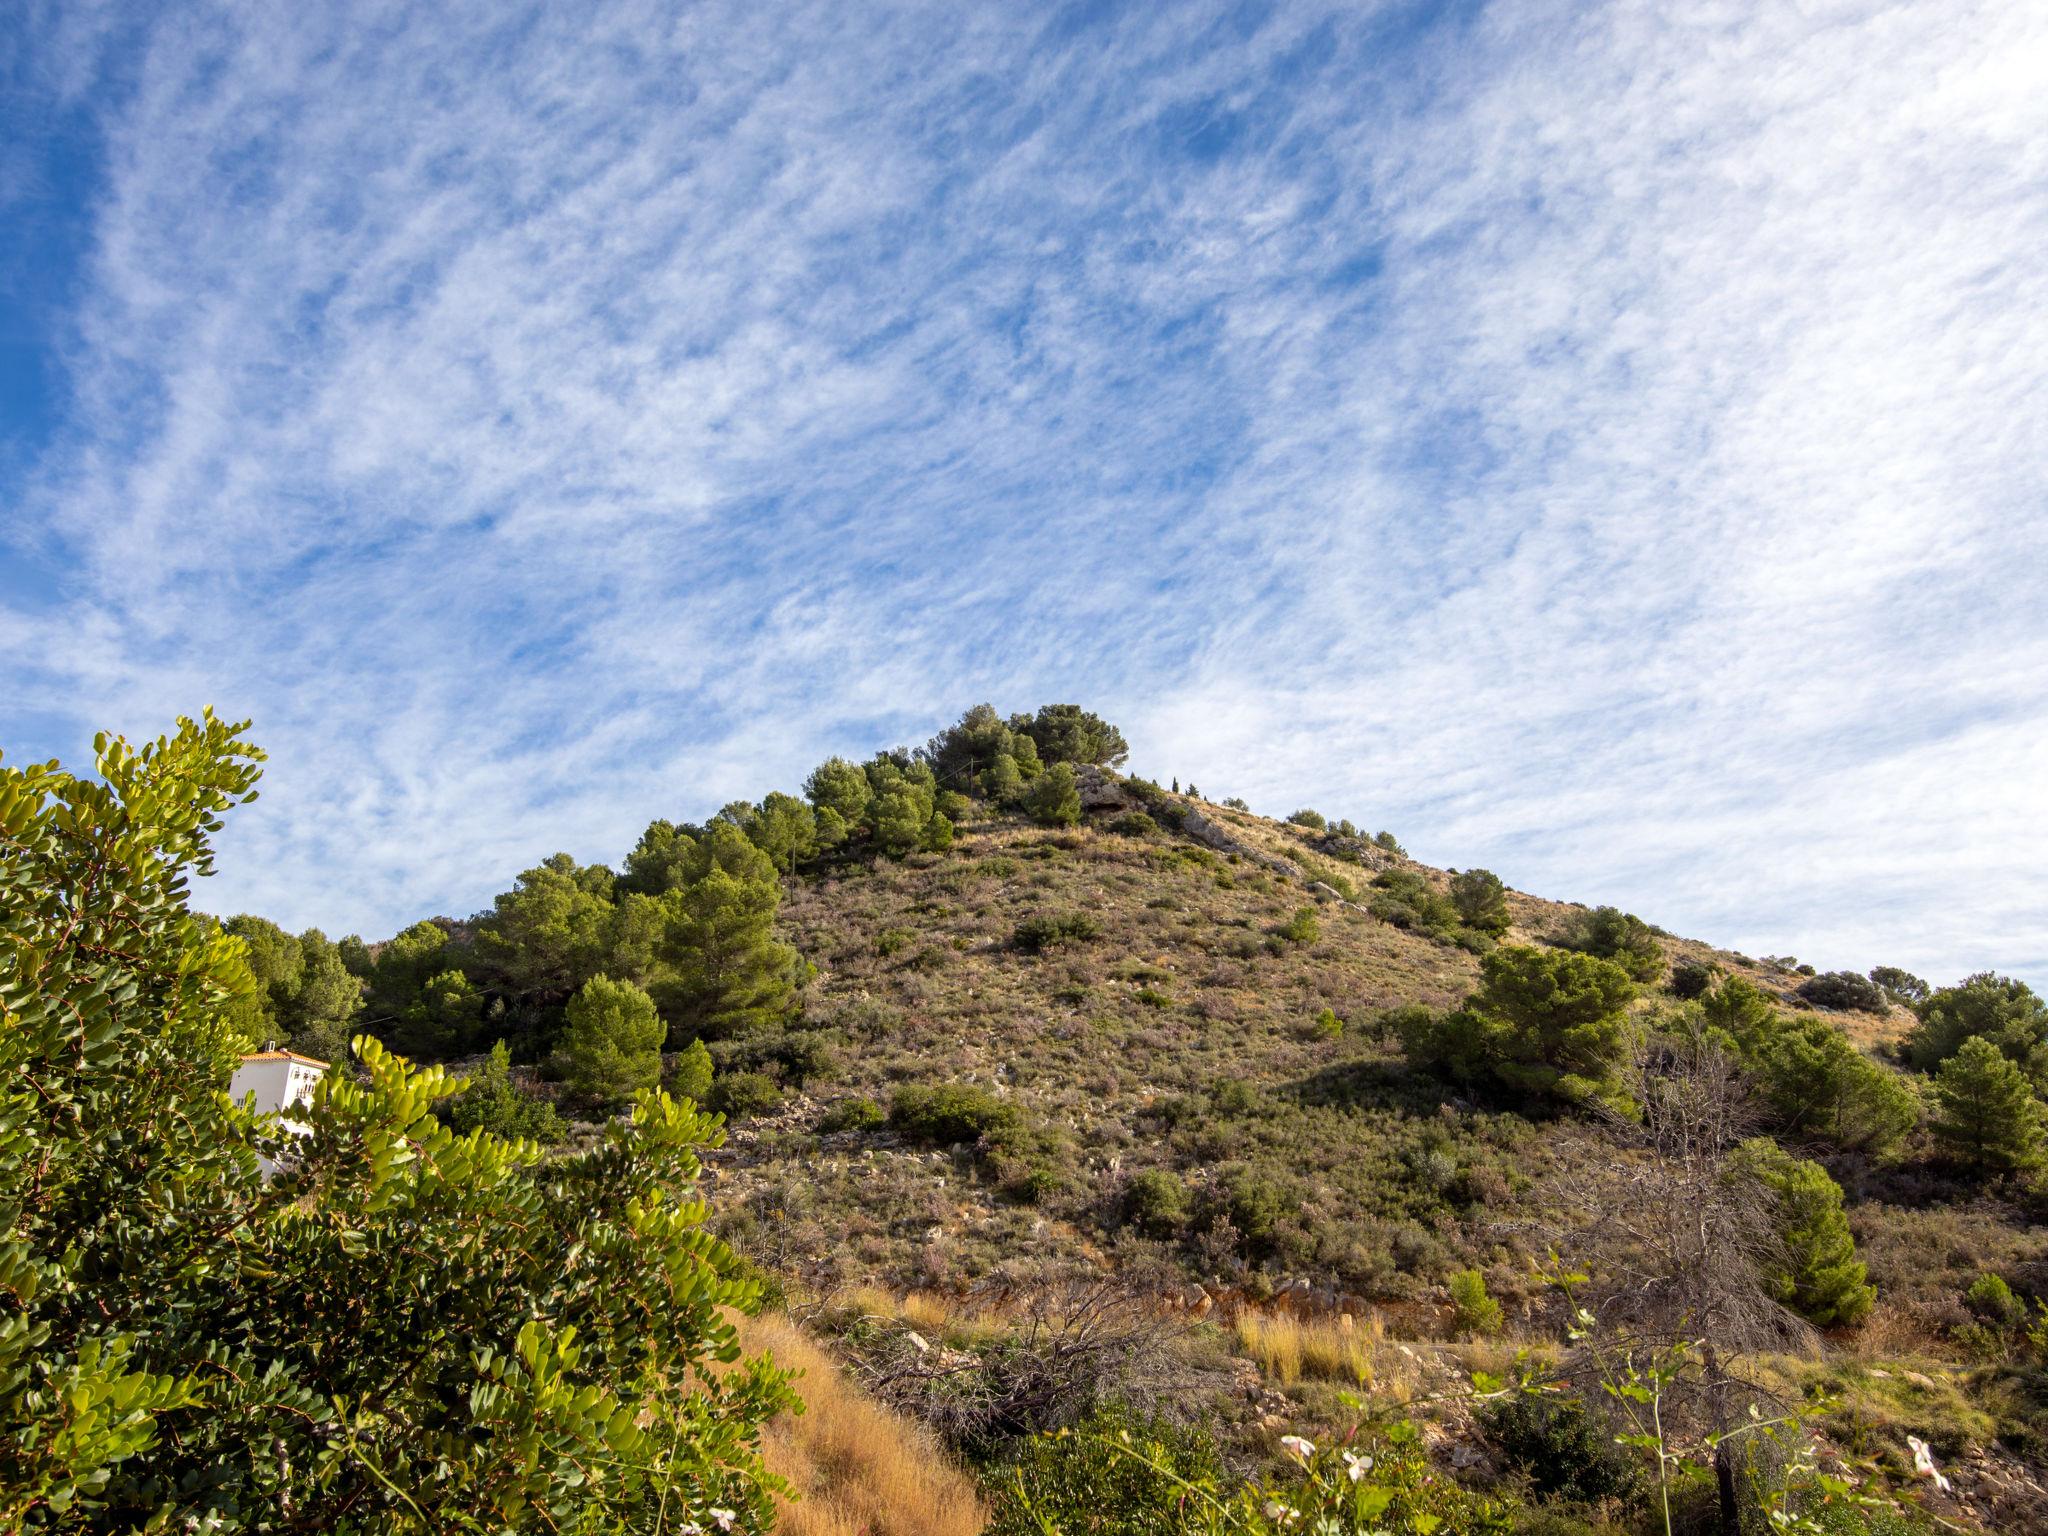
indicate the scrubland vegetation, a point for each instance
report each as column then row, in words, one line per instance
column 1148, row 1165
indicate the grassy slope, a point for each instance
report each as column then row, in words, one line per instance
column 1385, row 1183
column 1382, row 1185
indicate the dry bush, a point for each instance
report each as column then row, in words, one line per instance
column 1039, row 1356
column 857, row 1468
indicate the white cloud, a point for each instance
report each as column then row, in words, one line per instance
column 542, row 422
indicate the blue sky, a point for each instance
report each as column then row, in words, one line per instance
column 1604, row 442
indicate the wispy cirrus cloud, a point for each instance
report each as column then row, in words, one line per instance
column 1602, row 442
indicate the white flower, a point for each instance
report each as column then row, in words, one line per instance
column 1275, row 1510
column 1356, row 1467
column 1923, row 1462
column 1295, row 1446
column 723, row 1518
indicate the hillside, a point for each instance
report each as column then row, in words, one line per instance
column 1054, row 1094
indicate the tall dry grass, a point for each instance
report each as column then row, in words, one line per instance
column 1289, row 1349
column 857, row 1468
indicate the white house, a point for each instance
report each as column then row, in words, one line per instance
column 280, row 1080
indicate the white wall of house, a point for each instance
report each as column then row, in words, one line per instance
column 280, row 1081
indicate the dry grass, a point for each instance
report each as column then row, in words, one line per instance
column 857, row 1468
column 1289, row 1349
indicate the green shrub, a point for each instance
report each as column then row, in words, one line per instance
column 1901, row 986
column 854, row 1114
column 1562, row 1449
column 1116, row 1465
column 1050, row 930
column 1992, row 1299
column 612, row 1047
column 1620, row 936
column 1815, row 1270
column 1327, row 1025
column 1304, row 927
column 1135, row 824
column 1481, row 901
column 1054, row 800
column 1550, row 1022
column 1405, row 899
column 1153, row 998
column 1156, row 1203
column 1313, row 820
column 494, row 1103
column 689, row 1075
column 1691, row 979
column 377, row 1336
column 1814, row 1083
column 1390, row 844
column 1474, row 1311
column 1843, row 991
column 1994, row 1008
column 950, row 1114
column 743, row 1095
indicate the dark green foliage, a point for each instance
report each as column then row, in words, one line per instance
column 380, row 1338
column 1561, row 1448
column 1252, row 1204
column 1813, row 1082
column 1692, row 978
column 1304, row 927
column 1815, row 1270
column 1067, row 733
column 1313, row 820
column 1391, row 844
column 1740, row 1010
column 724, row 970
column 1053, row 930
column 950, row 1114
column 1985, row 1115
column 1156, row 1203
column 1481, row 901
column 1620, row 936
column 494, row 1103
column 305, row 997
column 1406, row 899
column 1053, row 801
column 1901, row 986
column 1135, row 824
column 961, row 754
column 1994, row 1008
column 1547, row 1022
column 854, row 1114
column 1843, row 990
column 742, row 1095
column 442, row 1019
column 690, row 1074
column 612, row 1047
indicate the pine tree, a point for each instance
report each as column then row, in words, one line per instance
column 1481, row 900
column 1984, row 1111
column 1815, row 1271
column 1055, row 801
column 613, row 1043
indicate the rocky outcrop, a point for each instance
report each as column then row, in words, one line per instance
column 1196, row 825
